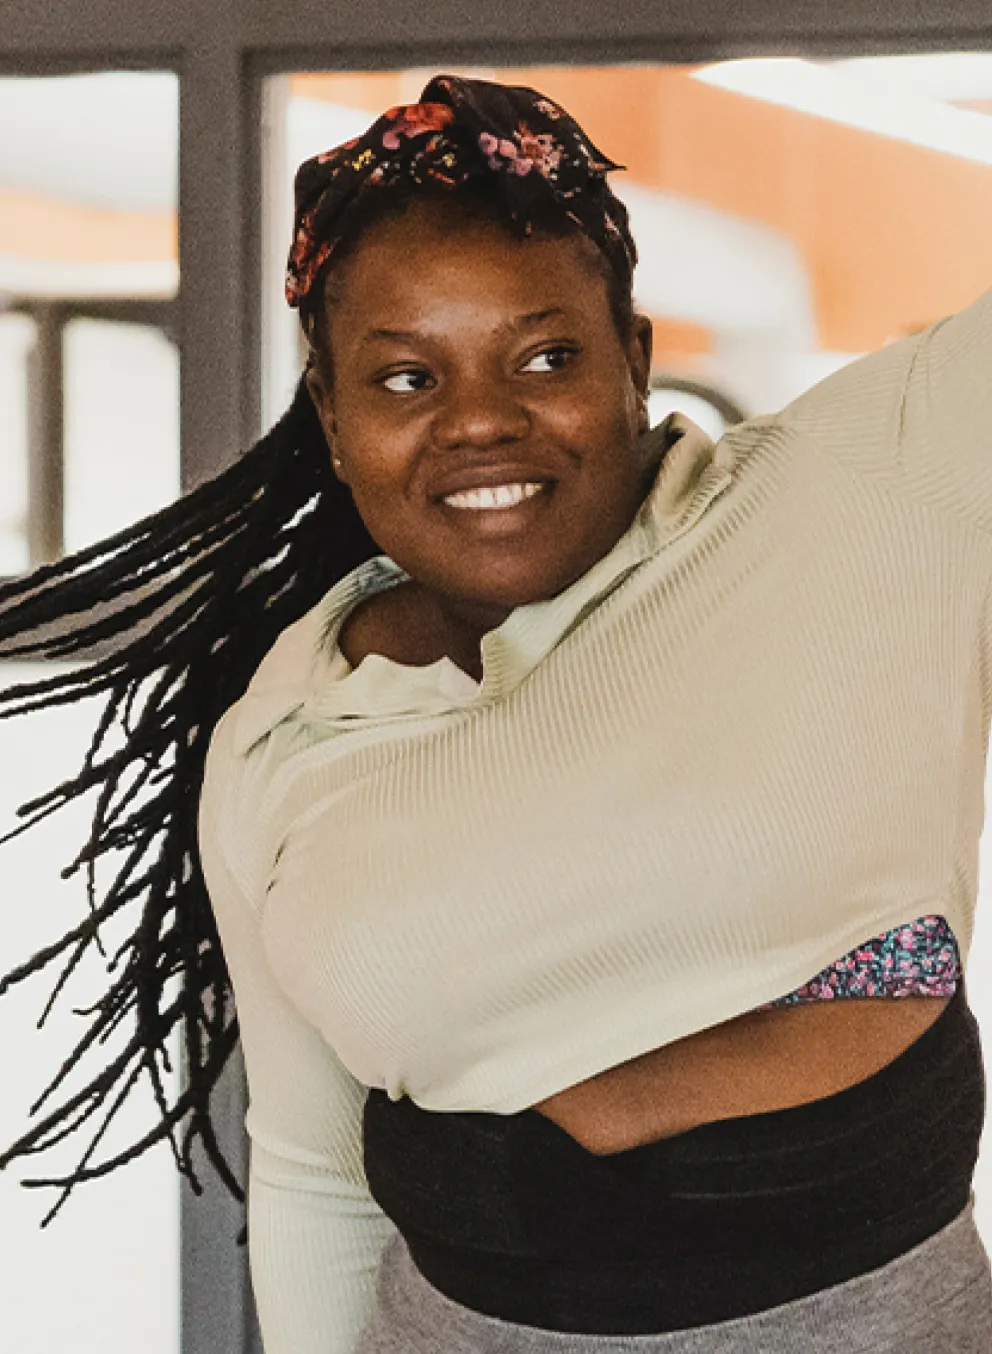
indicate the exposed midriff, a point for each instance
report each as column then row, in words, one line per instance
column 760, row 1061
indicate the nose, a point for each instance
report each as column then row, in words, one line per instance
column 479, row 413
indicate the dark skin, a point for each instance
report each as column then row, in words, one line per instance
column 465, row 358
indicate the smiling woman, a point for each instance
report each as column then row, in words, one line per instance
column 597, row 939
column 484, row 411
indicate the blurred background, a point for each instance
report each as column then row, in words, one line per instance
column 790, row 214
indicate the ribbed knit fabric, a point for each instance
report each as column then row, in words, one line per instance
column 766, row 744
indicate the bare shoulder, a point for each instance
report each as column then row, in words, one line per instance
column 394, row 623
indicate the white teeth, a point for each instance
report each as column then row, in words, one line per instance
column 500, row 496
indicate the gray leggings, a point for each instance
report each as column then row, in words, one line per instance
column 934, row 1299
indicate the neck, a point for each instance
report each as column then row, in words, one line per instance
column 457, row 626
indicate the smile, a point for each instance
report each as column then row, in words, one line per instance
column 493, row 498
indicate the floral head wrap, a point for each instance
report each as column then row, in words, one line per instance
column 459, row 130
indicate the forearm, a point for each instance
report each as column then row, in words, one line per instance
column 314, row 1256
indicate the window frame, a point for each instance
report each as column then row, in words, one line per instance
column 222, row 51
column 46, row 400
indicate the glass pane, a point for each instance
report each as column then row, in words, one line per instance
column 121, row 425
column 789, row 215
column 17, row 336
column 88, row 232
column 89, row 185
column 88, row 191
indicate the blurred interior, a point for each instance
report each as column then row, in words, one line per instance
column 790, row 215
column 89, row 274
column 776, row 243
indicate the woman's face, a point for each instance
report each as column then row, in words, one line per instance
column 483, row 409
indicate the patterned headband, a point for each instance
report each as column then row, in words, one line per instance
column 460, row 130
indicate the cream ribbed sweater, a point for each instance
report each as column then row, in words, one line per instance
column 758, row 738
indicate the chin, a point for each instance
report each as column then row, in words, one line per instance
column 520, row 592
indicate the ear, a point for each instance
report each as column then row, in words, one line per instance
column 323, row 402
column 639, row 359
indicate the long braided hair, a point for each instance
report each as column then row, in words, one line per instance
column 200, row 590
column 169, row 619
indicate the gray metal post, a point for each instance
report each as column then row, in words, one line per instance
column 214, row 218
column 45, row 460
column 218, row 1310
column 218, row 417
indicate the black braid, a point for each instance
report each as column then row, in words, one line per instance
column 188, row 601
column 179, row 610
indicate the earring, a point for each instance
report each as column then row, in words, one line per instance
column 337, row 464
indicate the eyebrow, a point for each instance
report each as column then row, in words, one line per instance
column 409, row 336
column 403, row 335
column 538, row 316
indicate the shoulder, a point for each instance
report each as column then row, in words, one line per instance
column 398, row 623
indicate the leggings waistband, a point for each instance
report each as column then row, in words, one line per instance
column 509, row 1216
column 934, row 1299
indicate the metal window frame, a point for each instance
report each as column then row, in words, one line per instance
column 222, row 51
column 45, row 374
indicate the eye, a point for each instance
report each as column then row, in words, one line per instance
column 406, row 382
column 550, row 359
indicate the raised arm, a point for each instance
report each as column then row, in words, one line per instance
column 920, row 410
column 315, row 1234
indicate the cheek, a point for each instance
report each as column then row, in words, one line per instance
column 590, row 409
column 376, row 500
column 378, row 475
column 377, row 450
column 609, row 425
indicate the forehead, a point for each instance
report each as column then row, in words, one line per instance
column 440, row 249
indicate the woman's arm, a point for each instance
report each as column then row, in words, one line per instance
column 919, row 410
column 315, row 1235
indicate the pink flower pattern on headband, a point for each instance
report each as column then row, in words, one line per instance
column 527, row 151
column 456, row 130
column 414, row 119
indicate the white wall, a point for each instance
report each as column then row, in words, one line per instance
column 103, row 1278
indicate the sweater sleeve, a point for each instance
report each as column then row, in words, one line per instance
column 315, row 1234
column 918, row 411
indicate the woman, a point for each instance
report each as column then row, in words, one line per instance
column 552, row 837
